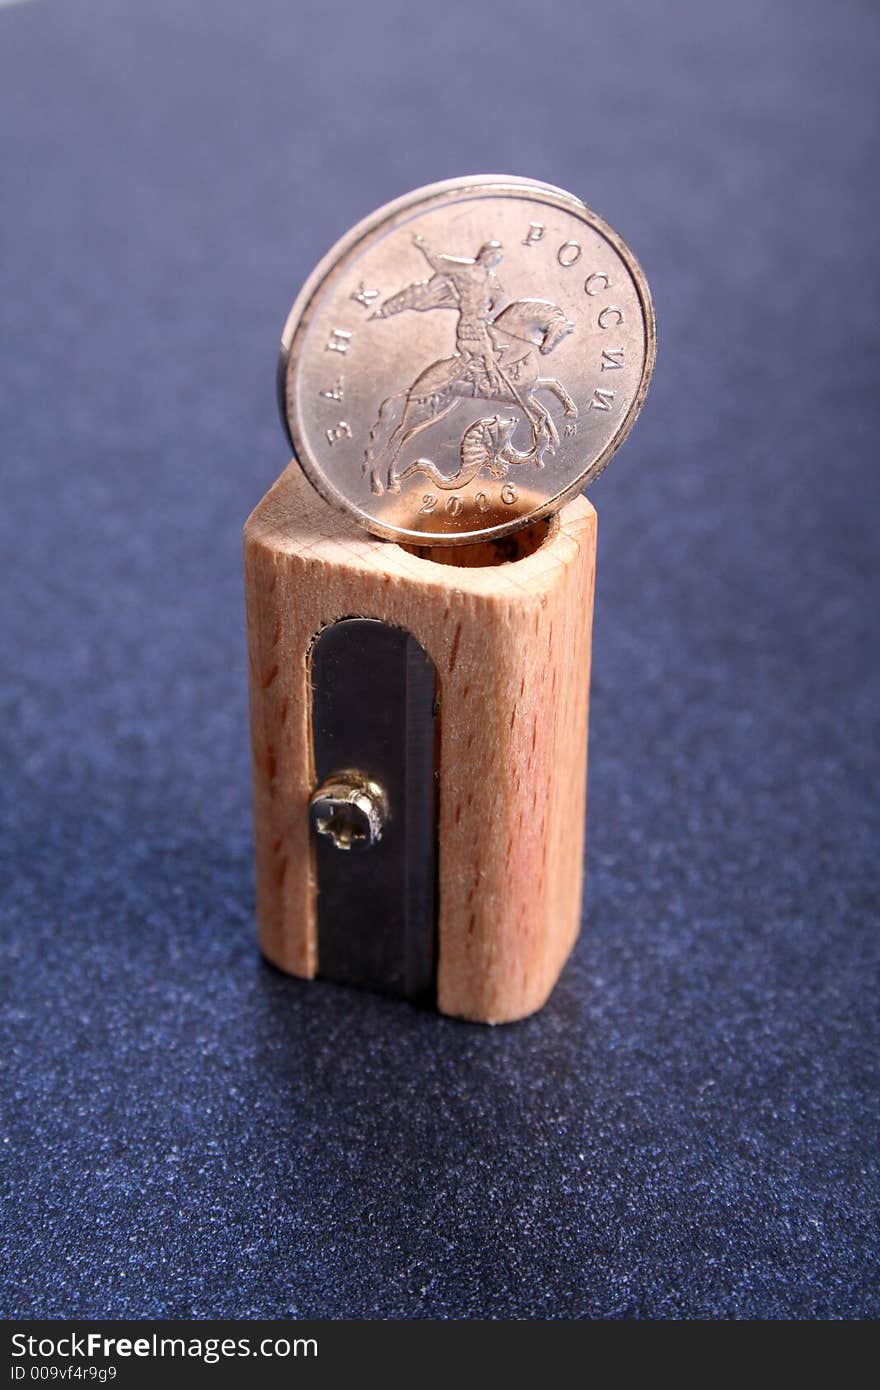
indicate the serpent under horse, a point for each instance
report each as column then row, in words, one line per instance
column 486, row 444
column 525, row 331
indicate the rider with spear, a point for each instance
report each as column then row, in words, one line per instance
column 470, row 285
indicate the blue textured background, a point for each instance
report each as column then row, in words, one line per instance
column 690, row 1127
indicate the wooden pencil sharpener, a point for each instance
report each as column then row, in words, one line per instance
column 419, row 733
column 457, row 369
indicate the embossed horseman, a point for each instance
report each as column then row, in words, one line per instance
column 470, row 286
column 496, row 359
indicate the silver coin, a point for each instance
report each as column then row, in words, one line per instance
column 466, row 359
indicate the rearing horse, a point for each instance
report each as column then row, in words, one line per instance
column 522, row 333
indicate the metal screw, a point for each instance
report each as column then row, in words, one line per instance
column 350, row 809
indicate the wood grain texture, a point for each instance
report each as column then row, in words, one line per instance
column 511, row 644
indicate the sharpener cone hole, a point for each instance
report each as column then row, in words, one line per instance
column 504, row 551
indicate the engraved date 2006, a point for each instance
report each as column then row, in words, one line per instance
column 455, row 505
